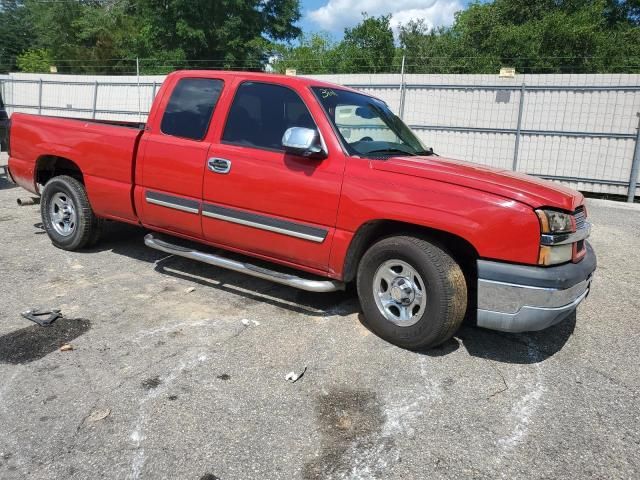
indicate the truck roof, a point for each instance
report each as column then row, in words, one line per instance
column 257, row 76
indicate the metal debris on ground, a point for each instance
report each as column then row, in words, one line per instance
column 67, row 347
column 43, row 318
column 23, row 202
column 293, row 377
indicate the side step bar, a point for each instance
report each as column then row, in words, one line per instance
column 242, row 267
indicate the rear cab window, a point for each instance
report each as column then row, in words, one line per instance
column 261, row 113
column 189, row 110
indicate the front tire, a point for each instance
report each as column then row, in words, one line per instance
column 67, row 215
column 413, row 293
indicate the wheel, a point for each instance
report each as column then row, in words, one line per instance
column 413, row 294
column 67, row 215
column 96, row 234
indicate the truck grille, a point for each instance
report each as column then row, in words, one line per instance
column 580, row 217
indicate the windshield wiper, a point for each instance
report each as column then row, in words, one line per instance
column 427, row 152
column 391, row 151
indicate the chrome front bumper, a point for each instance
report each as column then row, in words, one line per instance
column 517, row 298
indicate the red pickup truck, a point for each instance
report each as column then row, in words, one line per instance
column 328, row 185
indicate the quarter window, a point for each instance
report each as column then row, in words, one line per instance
column 190, row 107
column 262, row 112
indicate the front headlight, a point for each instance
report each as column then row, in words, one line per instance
column 554, row 222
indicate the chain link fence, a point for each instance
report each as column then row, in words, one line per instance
column 581, row 130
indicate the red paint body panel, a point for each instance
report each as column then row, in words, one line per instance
column 517, row 186
column 491, row 209
column 274, row 184
column 104, row 153
column 496, row 226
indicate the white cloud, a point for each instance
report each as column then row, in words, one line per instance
column 338, row 14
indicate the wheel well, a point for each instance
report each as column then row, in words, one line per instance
column 50, row 166
column 461, row 250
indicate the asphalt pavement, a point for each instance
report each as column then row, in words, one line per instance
column 177, row 371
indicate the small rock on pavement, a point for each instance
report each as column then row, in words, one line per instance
column 189, row 290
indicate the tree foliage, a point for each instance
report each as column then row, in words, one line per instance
column 15, row 31
column 367, row 47
column 106, row 36
column 545, row 36
column 35, row 61
column 542, row 36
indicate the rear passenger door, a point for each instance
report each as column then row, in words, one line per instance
column 173, row 155
column 266, row 201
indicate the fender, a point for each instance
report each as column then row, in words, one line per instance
column 497, row 228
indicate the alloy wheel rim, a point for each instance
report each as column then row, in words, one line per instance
column 62, row 213
column 399, row 292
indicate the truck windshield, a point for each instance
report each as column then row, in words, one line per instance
column 366, row 125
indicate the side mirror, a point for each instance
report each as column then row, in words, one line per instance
column 303, row 141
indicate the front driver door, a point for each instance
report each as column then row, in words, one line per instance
column 269, row 202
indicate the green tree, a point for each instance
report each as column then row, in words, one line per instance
column 106, row 36
column 15, row 36
column 35, row 61
column 315, row 53
column 546, row 36
column 368, row 47
column 216, row 34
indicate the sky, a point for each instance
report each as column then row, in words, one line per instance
column 333, row 16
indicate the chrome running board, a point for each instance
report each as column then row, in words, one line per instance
column 242, row 267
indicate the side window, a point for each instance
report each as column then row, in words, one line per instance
column 262, row 112
column 190, row 107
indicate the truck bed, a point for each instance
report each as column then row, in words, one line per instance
column 104, row 150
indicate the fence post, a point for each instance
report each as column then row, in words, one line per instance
column 402, row 90
column 523, row 89
column 635, row 167
column 139, row 99
column 40, row 97
column 95, row 99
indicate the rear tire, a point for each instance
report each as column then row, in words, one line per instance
column 413, row 294
column 67, row 215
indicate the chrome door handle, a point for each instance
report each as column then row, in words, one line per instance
column 219, row 165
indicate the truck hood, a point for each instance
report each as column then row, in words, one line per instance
column 512, row 185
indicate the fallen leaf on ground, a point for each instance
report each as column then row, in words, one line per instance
column 99, row 414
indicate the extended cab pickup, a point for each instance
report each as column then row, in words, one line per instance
column 328, row 186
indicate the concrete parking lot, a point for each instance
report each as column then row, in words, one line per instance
column 178, row 372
